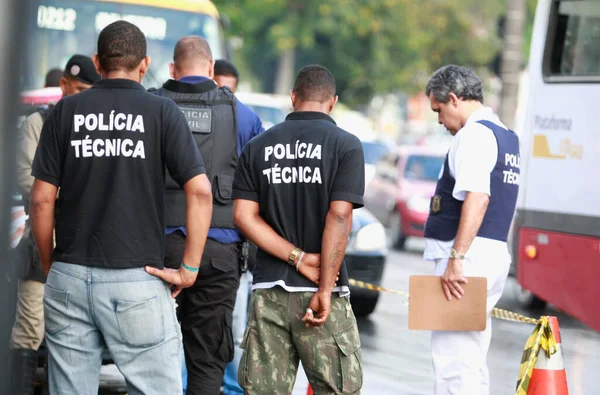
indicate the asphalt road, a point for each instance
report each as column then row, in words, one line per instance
column 397, row 361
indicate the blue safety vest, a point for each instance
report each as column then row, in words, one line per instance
column 445, row 210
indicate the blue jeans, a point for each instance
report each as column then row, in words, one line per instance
column 240, row 315
column 184, row 373
column 126, row 310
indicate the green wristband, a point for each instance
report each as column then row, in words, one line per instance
column 191, row 269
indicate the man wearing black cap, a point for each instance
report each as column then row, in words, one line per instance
column 28, row 329
column 80, row 74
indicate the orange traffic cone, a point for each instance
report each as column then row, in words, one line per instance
column 309, row 391
column 549, row 376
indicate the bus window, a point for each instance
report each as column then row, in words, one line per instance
column 573, row 47
column 61, row 28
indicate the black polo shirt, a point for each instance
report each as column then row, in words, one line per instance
column 294, row 170
column 107, row 148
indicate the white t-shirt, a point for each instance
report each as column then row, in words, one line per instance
column 472, row 156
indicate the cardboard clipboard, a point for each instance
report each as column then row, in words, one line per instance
column 430, row 310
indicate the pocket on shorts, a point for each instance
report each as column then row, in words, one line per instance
column 141, row 323
column 226, row 348
column 223, row 265
column 243, row 367
column 348, row 342
column 56, row 310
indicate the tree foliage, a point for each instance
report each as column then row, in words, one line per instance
column 371, row 46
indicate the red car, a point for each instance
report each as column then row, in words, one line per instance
column 399, row 193
column 41, row 96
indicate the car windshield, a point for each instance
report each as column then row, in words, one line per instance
column 373, row 152
column 423, row 167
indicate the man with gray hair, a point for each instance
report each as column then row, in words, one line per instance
column 469, row 219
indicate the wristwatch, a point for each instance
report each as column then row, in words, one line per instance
column 455, row 255
column 293, row 255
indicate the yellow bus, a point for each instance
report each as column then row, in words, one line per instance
column 61, row 28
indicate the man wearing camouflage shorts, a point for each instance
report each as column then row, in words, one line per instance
column 294, row 191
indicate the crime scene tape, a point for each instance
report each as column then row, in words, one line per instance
column 362, row 284
column 500, row 314
column 541, row 337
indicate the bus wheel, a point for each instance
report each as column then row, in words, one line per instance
column 527, row 299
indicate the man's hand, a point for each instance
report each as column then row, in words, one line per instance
column 311, row 267
column 452, row 278
column 181, row 278
column 320, row 304
column 46, row 266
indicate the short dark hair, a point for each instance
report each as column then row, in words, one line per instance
column 314, row 83
column 460, row 80
column 223, row 67
column 191, row 49
column 53, row 77
column 121, row 46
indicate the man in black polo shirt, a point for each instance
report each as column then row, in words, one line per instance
column 295, row 188
column 107, row 149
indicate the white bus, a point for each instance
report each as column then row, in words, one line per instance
column 556, row 239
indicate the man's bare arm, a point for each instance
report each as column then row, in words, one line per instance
column 473, row 210
column 198, row 196
column 41, row 215
column 199, row 205
column 338, row 224
column 246, row 217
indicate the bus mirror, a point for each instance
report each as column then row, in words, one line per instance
column 225, row 21
column 228, row 50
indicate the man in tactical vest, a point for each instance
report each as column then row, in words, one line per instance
column 221, row 127
column 469, row 219
column 28, row 330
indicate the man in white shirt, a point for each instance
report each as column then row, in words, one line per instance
column 469, row 219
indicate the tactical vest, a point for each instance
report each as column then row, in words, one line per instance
column 211, row 114
column 445, row 210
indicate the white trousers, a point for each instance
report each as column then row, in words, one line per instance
column 459, row 358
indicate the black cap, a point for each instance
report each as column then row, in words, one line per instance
column 82, row 68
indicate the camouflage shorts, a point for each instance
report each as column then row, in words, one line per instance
column 276, row 340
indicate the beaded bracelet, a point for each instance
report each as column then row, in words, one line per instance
column 191, row 269
column 300, row 261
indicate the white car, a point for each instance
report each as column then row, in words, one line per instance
column 271, row 108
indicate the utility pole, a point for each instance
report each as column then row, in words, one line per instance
column 13, row 25
column 510, row 67
column 284, row 76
